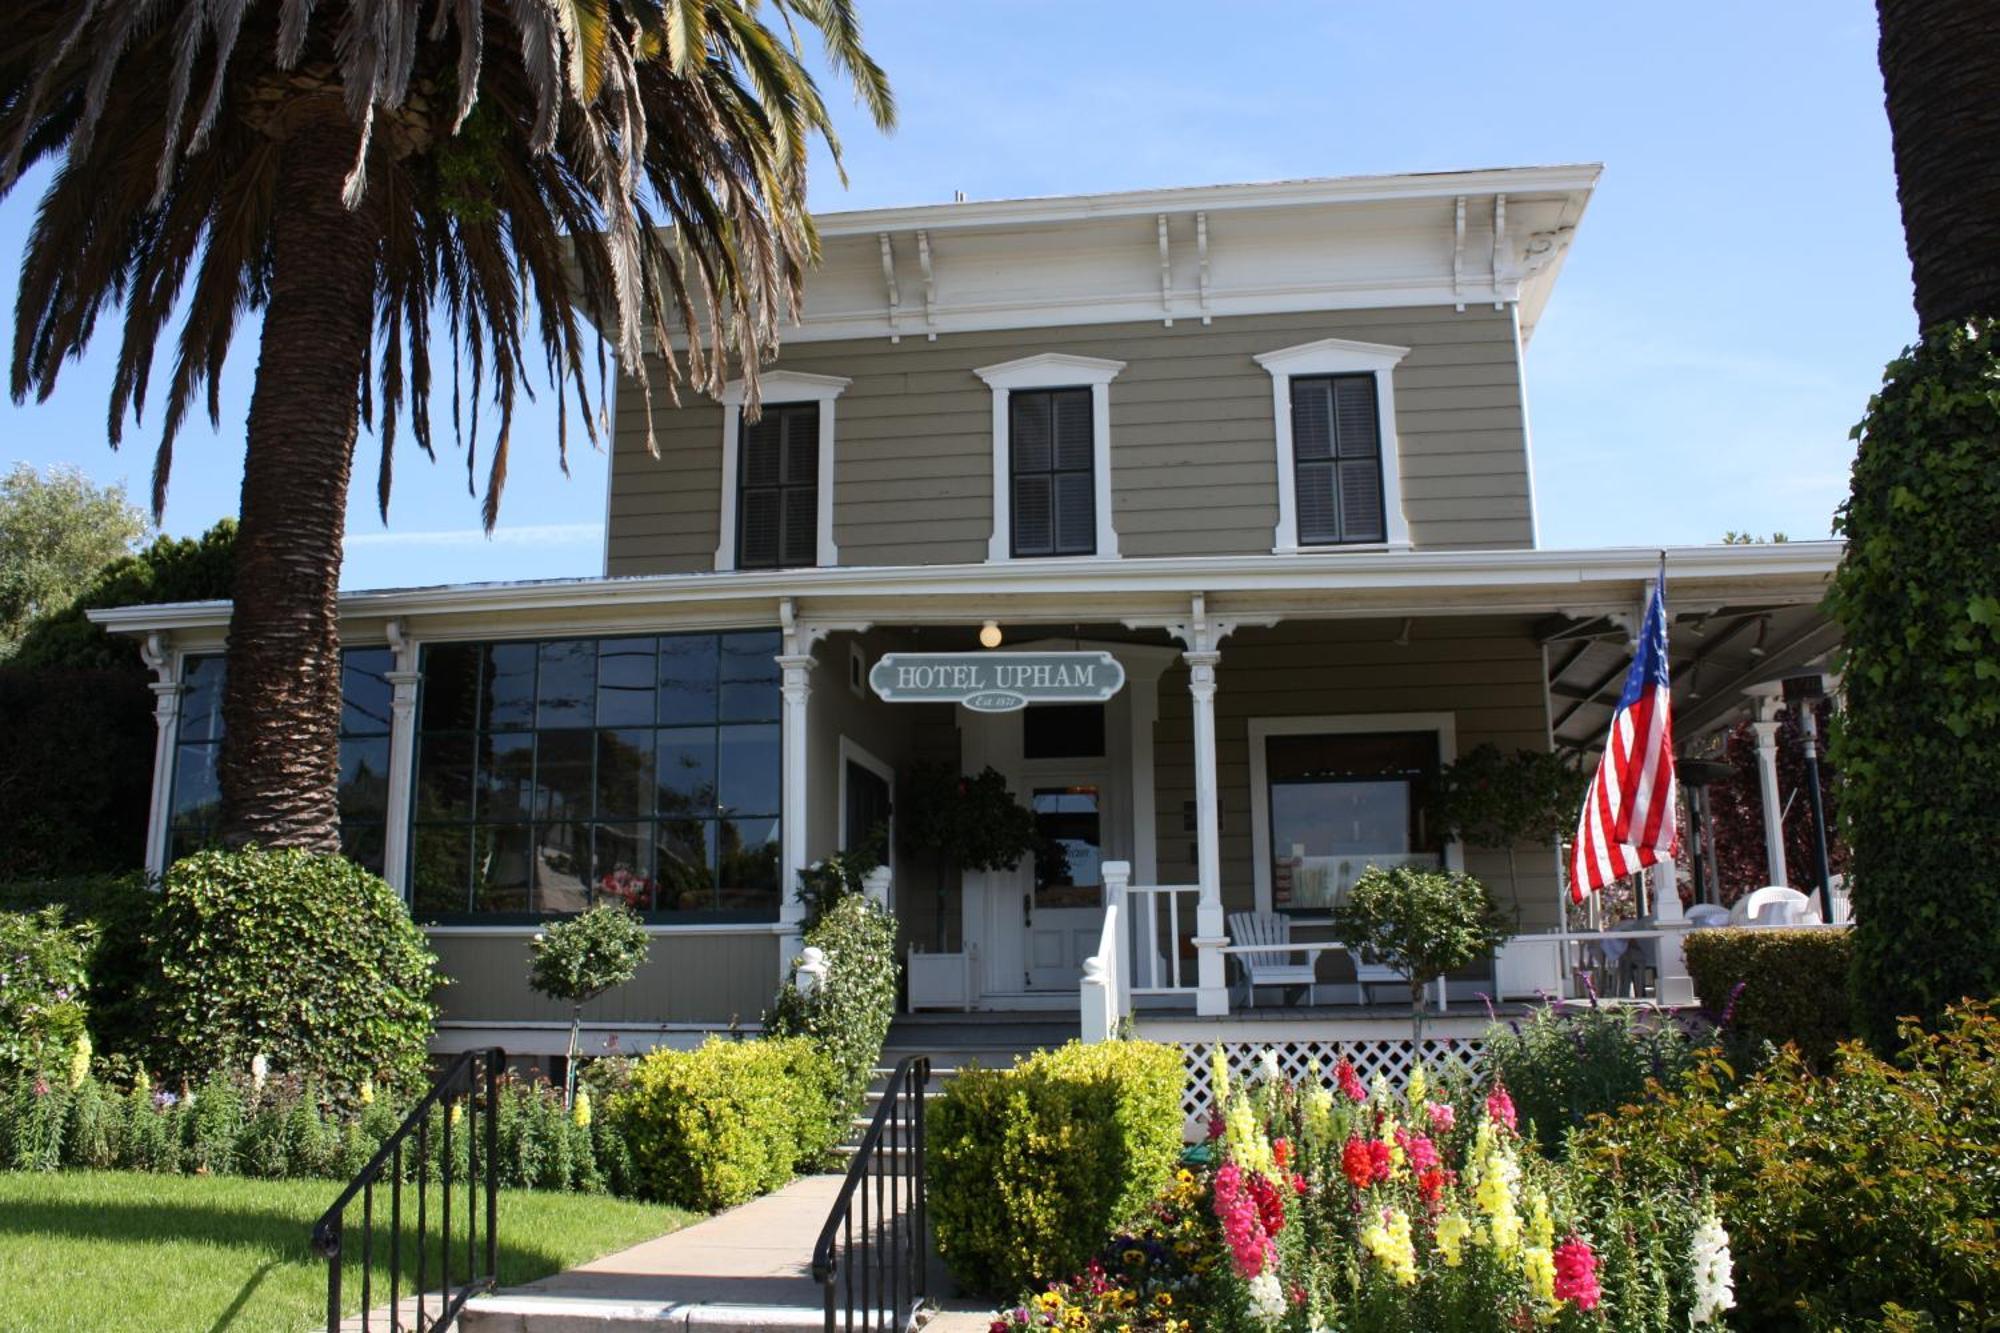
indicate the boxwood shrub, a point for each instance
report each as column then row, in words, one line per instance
column 307, row 960
column 847, row 1017
column 1793, row 985
column 715, row 1126
column 1032, row 1169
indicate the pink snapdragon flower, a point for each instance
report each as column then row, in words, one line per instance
column 1576, row 1274
column 1443, row 1117
column 1350, row 1082
column 1500, row 1107
column 1250, row 1245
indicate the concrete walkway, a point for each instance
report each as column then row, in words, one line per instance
column 744, row 1270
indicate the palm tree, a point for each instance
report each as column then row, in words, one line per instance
column 366, row 175
column 1918, row 746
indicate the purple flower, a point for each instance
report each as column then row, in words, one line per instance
column 1729, row 1009
column 1487, row 1000
column 163, row 1099
column 1590, row 985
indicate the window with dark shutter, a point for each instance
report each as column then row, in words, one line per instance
column 1337, row 459
column 777, row 492
column 1050, row 448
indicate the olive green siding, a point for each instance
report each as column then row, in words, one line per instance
column 1193, row 443
column 1485, row 671
column 705, row 978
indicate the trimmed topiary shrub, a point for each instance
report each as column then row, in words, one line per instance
column 579, row 959
column 721, row 1124
column 848, row 1014
column 1033, row 1168
column 1918, row 745
column 1421, row 923
column 307, row 960
column 1777, row 985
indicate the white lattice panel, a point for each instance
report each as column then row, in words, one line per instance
column 1391, row 1057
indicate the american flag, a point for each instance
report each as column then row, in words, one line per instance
column 1628, row 816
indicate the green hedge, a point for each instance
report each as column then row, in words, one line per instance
column 307, row 960
column 119, row 910
column 1032, row 1169
column 1794, row 984
column 847, row 1017
column 715, row 1126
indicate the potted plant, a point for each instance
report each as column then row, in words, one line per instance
column 1420, row 923
column 1488, row 799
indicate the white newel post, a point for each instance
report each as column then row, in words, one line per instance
column 1672, row 986
column 403, row 681
column 1211, row 934
column 166, row 728
column 1117, row 878
column 1766, row 727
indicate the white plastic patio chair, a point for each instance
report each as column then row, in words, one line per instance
column 1707, row 916
column 1280, row 967
column 1774, row 905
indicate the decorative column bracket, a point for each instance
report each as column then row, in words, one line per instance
column 159, row 659
column 795, row 662
column 403, row 679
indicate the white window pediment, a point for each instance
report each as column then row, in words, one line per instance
column 1335, row 356
column 776, row 387
column 1052, row 370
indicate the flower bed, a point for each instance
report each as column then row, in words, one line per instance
column 1328, row 1204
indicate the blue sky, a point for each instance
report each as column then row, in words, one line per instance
column 1734, row 291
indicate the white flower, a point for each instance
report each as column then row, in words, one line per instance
column 1267, row 1070
column 1714, row 1276
column 1267, row 1298
column 260, row 1070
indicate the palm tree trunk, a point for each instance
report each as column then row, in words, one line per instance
column 1940, row 64
column 280, row 762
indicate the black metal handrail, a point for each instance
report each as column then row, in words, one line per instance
column 876, row 1275
column 468, row 1087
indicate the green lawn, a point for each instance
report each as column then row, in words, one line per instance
column 108, row 1250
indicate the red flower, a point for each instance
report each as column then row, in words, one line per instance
column 1298, row 1183
column 1384, row 1160
column 1576, row 1274
column 1350, row 1082
column 1431, row 1182
column 1281, row 1150
column 1501, row 1108
column 1357, row 1163
column 1419, row 1150
column 1270, row 1204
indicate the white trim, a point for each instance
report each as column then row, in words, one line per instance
column 1052, row 370
column 1336, row 356
column 1345, row 724
column 1527, row 430
column 778, row 388
column 851, row 752
column 527, row 931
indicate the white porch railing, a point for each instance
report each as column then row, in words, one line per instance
column 1156, row 966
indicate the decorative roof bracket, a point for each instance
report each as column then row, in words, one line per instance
column 1458, row 253
column 930, row 283
column 1201, row 251
column 1166, row 272
column 889, row 281
column 1499, row 246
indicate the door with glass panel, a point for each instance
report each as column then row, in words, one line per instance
column 1064, row 905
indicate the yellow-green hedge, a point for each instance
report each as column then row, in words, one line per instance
column 1794, row 983
column 1033, row 1169
column 712, row 1127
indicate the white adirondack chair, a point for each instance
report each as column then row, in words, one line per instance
column 1279, row 967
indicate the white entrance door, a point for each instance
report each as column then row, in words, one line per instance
column 1064, row 908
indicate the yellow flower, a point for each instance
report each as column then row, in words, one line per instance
column 79, row 1060
column 367, row 1092
column 580, row 1109
column 1452, row 1231
column 1419, row 1085
column 1541, row 1227
column 1389, row 1242
column 1247, row 1146
column 1219, row 1080
column 1538, row 1266
column 1498, row 1171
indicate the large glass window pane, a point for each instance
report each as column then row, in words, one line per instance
column 748, row 764
column 684, row 865
column 510, row 687
column 566, row 693
column 562, row 868
column 685, row 777
column 502, row 868
column 201, row 699
column 444, row 777
column 624, row 774
column 506, row 776
column 747, row 865
column 626, row 680
column 562, row 775
column 364, row 777
column 440, row 869
column 687, row 679
column 196, row 791
column 750, row 676
column 365, row 692
column 450, row 692
column 362, row 844
column 1342, row 803
column 621, row 865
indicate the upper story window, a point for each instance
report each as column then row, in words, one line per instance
column 1337, row 459
column 777, row 489
column 777, row 473
column 1053, row 472
column 1339, row 481
column 1051, row 457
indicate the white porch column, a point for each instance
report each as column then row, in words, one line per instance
column 1766, row 727
column 1211, row 934
column 403, row 681
column 797, row 691
column 166, row 730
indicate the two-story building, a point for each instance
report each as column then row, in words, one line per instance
column 1254, row 459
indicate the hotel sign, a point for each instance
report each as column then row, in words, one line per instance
column 997, row 682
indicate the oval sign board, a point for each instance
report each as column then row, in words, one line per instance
column 997, row 682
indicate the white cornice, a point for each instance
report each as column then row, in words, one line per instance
column 1330, row 356
column 1049, row 370
column 787, row 386
column 1790, row 571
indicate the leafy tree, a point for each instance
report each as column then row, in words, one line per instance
column 1917, row 595
column 962, row 823
column 1422, row 923
column 580, row 958
column 56, row 531
column 169, row 569
column 1734, row 538
column 1495, row 800
column 384, row 182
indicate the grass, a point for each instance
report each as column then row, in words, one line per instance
column 112, row 1250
